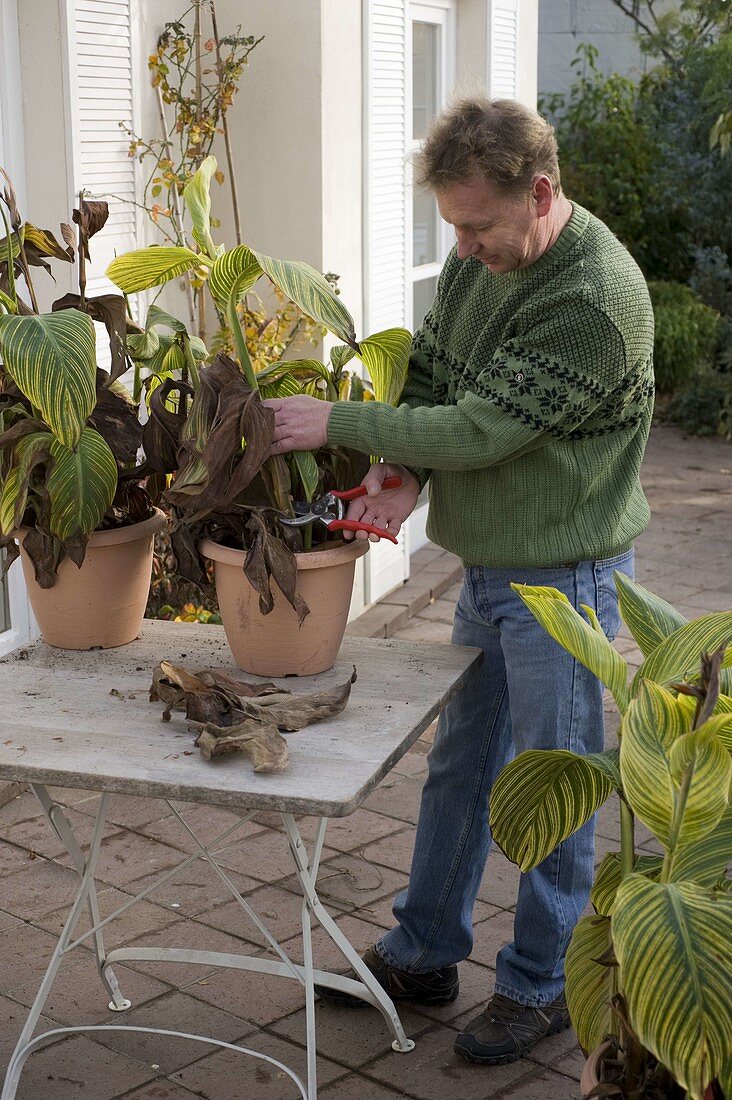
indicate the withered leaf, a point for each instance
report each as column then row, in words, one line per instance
column 238, row 715
column 45, row 553
column 41, row 244
column 21, row 428
column 116, row 420
column 262, row 742
column 269, row 557
column 162, row 430
column 10, row 546
column 90, row 217
column 111, row 310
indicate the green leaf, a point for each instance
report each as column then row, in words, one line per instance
column 311, row 292
column 386, row 357
column 678, row 656
column 52, row 358
column 233, row 274
column 673, row 942
column 541, row 798
column 81, row 485
column 609, row 763
column 648, row 618
column 591, row 985
column 655, row 749
column 8, row 302
column 10, row 497
column 198, row 203
column 555, row 613
column 609, row 874
column 153, row 266
column 307, row 469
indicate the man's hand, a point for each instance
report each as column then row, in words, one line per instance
column 383, row 507
column 301, row 423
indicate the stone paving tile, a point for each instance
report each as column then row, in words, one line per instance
column 280, row 911
column 13, row 859
column 139, row 918
column 265, row 857
column 207, row 822
column 165, row 1054
column 397, row 797
column 158, row 1089
column 349, row 880
column 357, row 830
column 433, row 1071
column 22, row 808
column 12, row 1018
column 128, row 810
column 257, row 998
column 78, row 1067
column 36, row 835
column 40, row 888
column 238, row 1077
column 356, row 1087
column 542, row 1086
column 192, row 890
column 500, row 881
column 125, row 856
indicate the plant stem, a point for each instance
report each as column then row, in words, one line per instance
column 82, row 254
column 627, row 839
column 225, row 127
column 177, row 215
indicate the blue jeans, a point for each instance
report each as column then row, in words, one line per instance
column 526, row 693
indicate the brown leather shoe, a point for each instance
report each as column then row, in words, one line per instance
column 506, row 1030
column 434, row 987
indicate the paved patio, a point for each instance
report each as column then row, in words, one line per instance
column 684, row 556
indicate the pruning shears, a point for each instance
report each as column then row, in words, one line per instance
column 330, row 509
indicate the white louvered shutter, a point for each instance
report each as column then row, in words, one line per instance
column 385, row 222
column 504, row 47
column 102, row 85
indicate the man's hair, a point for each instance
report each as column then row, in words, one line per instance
column 497, row 139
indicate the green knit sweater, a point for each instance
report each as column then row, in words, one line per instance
column 528, row 404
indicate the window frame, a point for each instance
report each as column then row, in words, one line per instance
column 443, row 14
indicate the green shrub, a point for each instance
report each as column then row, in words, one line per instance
column 687, row 334
column 704, row 405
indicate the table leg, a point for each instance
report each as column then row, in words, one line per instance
column 24, row 1046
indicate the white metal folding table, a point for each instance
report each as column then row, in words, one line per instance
column 84, row 720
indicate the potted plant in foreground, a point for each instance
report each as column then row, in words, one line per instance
column 649, row 974
column 283, row 592
column 69, row 436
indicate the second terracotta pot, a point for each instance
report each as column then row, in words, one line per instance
column 274, row 644
column 102, row 604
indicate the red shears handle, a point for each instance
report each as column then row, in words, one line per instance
column 354, row 525
column 360, row 491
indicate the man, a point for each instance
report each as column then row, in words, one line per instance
column 527, row 406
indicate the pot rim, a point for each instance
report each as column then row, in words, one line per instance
column 131, row 533
column 312, row 559
column 591, row 1069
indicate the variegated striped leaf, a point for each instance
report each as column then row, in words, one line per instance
column 677, row 657
column 648, row 618
column 722, row 706
column 307, row 471
column 609, row 874
column 233, row 274
column 303, row 369
column 721, row 726
column 10, row 497
column 52, row 358
column 555, row 613
column 29, row 452
column 340, row 355
column 651, row 767
column 153, row 266
column 706, row 860
column 311, row 292
column 591, row 985
column 673, row 943
column 541, row 798
column 81, row 485
column 196, row 195
column 386, row 357
column 609, row 764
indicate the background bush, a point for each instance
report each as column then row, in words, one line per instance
column 686, row 338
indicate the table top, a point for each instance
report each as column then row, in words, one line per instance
column 83, row 719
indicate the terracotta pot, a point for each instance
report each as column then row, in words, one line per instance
column 102, row 604
column 591, row 1069
column 274, row 644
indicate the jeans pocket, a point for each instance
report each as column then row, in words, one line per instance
column 606, row 593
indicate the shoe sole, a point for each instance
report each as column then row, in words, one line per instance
column 505, row 1059
column 345, row 1000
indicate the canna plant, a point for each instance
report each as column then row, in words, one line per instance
column 209, row 429
column 69, row 432
column 650, row 972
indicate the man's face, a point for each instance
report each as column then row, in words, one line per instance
column 498, row 229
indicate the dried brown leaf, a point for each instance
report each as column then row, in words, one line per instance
column 259, row 740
